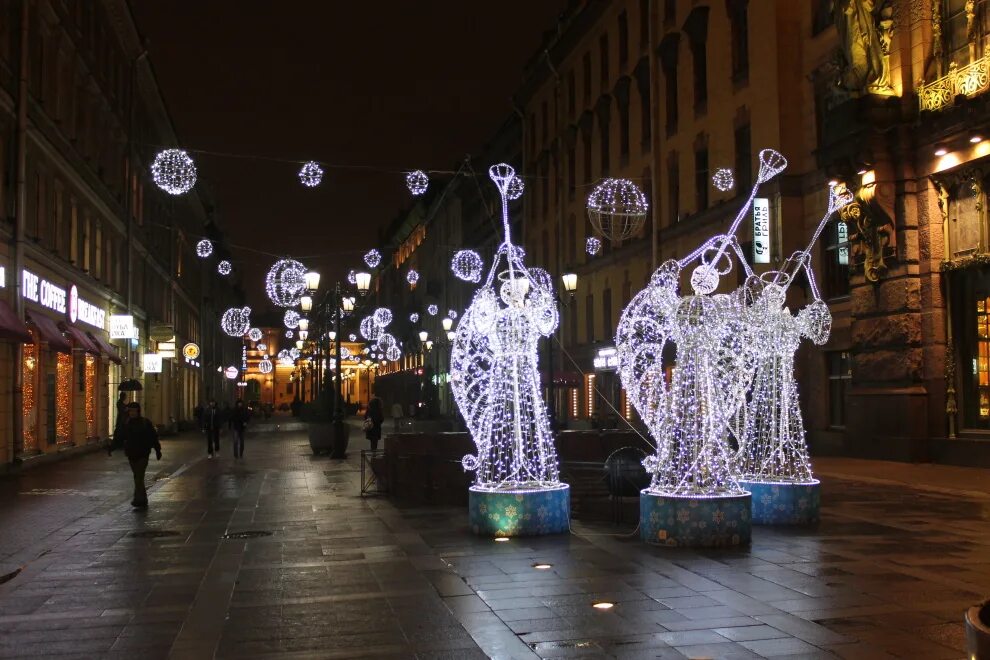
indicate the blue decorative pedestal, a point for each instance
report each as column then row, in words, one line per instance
column 778, row 503
column 520, row 512
column 694, row 522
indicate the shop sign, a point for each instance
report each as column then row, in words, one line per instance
column 152, row 363
column 190, row 351
column 607, row 359
column 167, row 349
column 761, row 230
column 43, row 292
column 231, row 373
column 122, row 327
column 161, row 332
column 84, row 311
column 3, row 277
column 842, row 241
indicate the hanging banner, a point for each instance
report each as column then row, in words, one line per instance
column 761, row 230
column 152, row 363
column 122, row 326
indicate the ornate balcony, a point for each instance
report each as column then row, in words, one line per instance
column 970, row 80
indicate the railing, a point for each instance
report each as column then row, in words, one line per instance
column 970, row 80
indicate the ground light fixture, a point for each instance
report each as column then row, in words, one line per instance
column 603, row 605
column 941, row 151
column 501, row 539
column 542, row 567
column 976, row 139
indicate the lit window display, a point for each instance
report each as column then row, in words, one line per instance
column 63, row 398
column 91, row 397
column 30, row 404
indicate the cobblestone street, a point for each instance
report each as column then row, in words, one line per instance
column 324, row 573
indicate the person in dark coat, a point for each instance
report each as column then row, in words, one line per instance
column 376, row 415
column 119, row 422
column 138, row 437
column 238, row 423
column 212, row 423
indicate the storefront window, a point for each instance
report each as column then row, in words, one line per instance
column 839, row 377
column 91, row 431
column 835, row 258
column 63, row 399
column 589, row 392
column 30, row 400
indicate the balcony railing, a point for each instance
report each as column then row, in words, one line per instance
column 970, row 80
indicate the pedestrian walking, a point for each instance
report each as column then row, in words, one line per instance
column 238, row 424
column 212, row 423
column 374, row 417
column 138, row 437
column 119, row 422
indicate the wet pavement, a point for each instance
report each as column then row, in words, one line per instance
column 278, row 555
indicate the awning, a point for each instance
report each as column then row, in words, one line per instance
column 79, row 339
column 49, row 332
column 12, row 327
column 106, row 348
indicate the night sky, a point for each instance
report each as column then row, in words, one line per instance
column 394, row 85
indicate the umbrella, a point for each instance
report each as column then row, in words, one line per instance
column 130, row 385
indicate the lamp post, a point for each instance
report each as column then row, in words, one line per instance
column 569, row 280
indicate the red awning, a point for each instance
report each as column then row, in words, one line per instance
column 12, row 327
column 106, row 348
column 49, row 332
column 79, row 339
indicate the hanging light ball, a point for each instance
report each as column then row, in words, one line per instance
column 417, row 182
column 352, row 337
column 254, row 334
column 265, row 366
column 311, row 174
column 393, row 353
column 617, row 208
column 412, row 277
column 345, row 352
column 224, row 267
column 291, row 319
column 414, row 317
column 451, row 314
column 204, row 249
column 369, row 328
column 262, row 347
column 174, row 171
column 285, row 282
column 236, row 321
column 593, row 245
column 288, row 334
column 385, row 340
column 723, row 180
column 383, row 316
column 373, row 258
column 294, row 353
column 467, row 265
column 432, row 310
column 515, row 188
column 352, row 277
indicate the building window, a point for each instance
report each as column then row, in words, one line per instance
column 668, row 60
column 701, row 178
column 956, row 30
column 586, row 76
column 699, row 71
column 669, row 12
column 644, row 22
column 571, row 171
column 744, row 158
column 835, row 260
column 623, row 38
column 674, row 187
column 604, row 135
column 571, row 95
column 839, row 378
column 603, row 61
column 624, row 128
column 544, row 125
column 739, row 20
column 63, row 398
column 645, row 113
column 821, row 16
column 607, row 327
column 586, row 153
column 29, row 403
column 589, row 310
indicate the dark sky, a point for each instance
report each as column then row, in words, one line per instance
column 391, row 84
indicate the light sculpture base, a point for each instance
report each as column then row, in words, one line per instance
column 695, row 521
column 780, row 503
column 520, row 512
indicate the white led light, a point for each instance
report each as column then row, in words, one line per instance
column 432, row 310
column 289, row 334
column 723, row 180
column 311, row 174
column 174, row 171
column 285, row 282
column 369, row 328
column 617, row 208
column 452, row 314
column 467, row 265
column 254, row 334
column 236, row 321
column 373, row 258
column 414, row 317
column 224, row 267
column 412, row 277
column 516, row 188
column 265, row 366
column 417, row 182
column 351, row 337
column 383, row 316
column 204, row 248
column 593, row 245
column 291, row 319
column 393, row 353
column 352, row 276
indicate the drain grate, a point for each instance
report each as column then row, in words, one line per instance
column 253, row 534
column 7, row 577
column 153, row 534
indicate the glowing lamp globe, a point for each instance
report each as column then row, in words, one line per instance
column 285, row 282
column 174, row 171
column 417, row 182
column 373, row 258
column 617, row 208
column 254, row 334
column 204, row 249
column 306, row 303
column 224, row 267
column 304, row 335
column 423, row 336
column 447, row 324
column 363, row 282
column 312, row 280
column 467, row 265
column 303, row 323
column 311, row 174
column 347, row 303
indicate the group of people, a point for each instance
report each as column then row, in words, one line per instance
column 212, row 420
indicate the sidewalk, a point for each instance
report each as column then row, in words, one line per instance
column 278, row 556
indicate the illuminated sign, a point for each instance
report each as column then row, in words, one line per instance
column 122, row 327
column 84, row 311
column 761, row 230
column 152, row 363
column 842, row 242
column 167, row 348
column 607, row 359
column 191, row 351
column 3, row 277
column 43, row 292
column 231, row 373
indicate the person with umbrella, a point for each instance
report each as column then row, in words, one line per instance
column 138, row 437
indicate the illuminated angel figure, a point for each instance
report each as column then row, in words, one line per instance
column 494, row 372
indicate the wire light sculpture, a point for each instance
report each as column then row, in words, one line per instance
column 265, row 366
column 516, row 188
column 174, row 171
column 285, row 282
column 432, row 309
column 254, row 334
column 417, row 182
column 723, row 180
column 236, row 321
column 494, row 374
column 467, row 265
column 373, row 258
column 224, row 267
column 412, row 277
column 291, row 319
column 311, row 174
column 414, row 318
column 617, row 208
column 593, row 245
column 204, row 248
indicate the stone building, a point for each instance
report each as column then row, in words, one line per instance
column 87, row 238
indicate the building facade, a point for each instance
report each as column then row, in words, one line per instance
column 88, row 240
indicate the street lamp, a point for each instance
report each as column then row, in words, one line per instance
column 423, row 336
column 363, row 281
column 347, row 303
column 570, row 282
column 306, row 303
column 450, row 335
column 304, row 323
column 447, row 323
column 312, row 280
column 332, row 335
column 300, row 343
column 303, row 335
